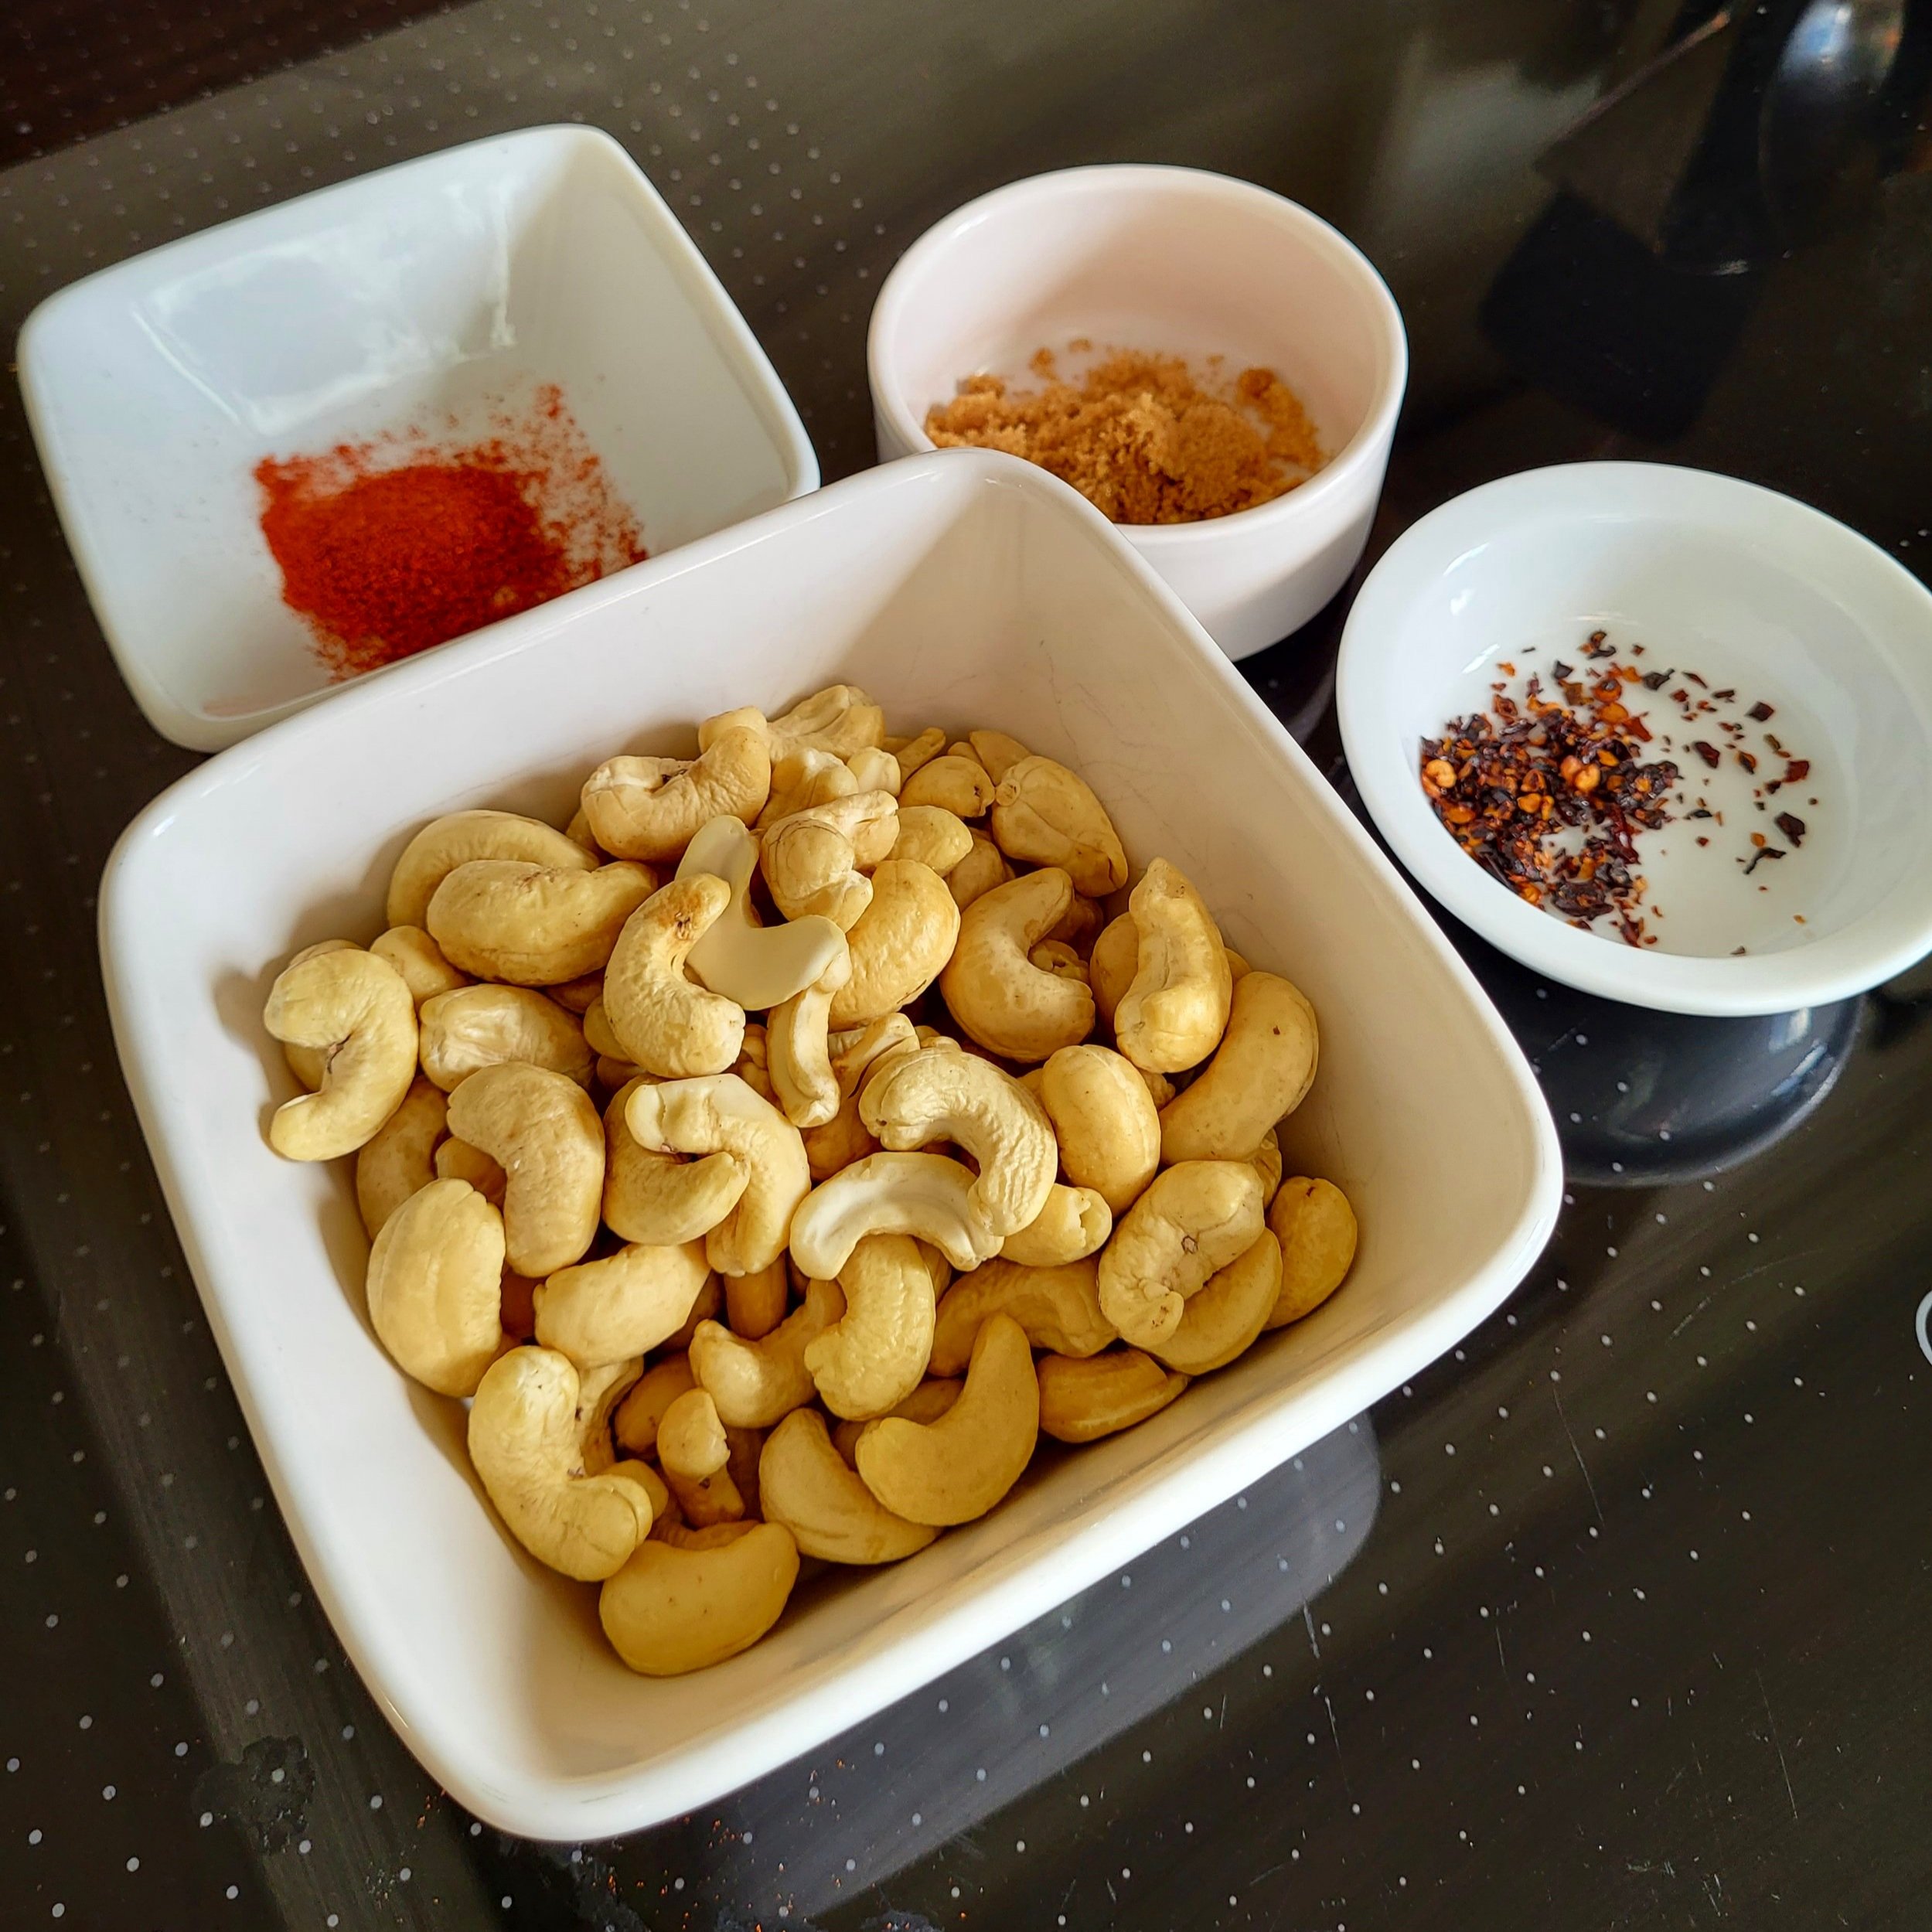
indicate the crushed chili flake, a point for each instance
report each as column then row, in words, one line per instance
column 1792, row 826
column 1707, row 751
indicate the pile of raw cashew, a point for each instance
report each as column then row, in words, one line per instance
column 812, row 1285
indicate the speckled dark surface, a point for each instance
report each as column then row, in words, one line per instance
column 1614, row 1619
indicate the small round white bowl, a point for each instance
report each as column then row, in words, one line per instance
column 1184, row 262
column 1755, row 591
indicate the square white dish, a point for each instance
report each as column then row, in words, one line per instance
column 962, row 589
column 440, row 288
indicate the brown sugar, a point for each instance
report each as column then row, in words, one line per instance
column 1140, row 437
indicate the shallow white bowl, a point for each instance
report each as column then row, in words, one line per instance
column 1186, row 262
column 963, row 590
column 430, row 289
column 1757, row 592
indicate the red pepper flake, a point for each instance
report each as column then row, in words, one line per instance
column 1792, row 826
column 1797, row 770
column 1760, row 711
column 1746, row 759
column 1706, row 750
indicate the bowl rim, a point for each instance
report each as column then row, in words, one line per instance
column 1363, row 450
column 570, row 1807
column 1885, row 939
column 46, row 405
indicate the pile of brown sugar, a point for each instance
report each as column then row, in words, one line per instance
column 1140, row 438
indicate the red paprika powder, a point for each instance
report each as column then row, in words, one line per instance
column 390, row 546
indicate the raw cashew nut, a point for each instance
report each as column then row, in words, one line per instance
column 924, row 1194
column 419, row 960
column 399, row 1160
column 1059, row 1308
column 534, row 925
column 643, row 808
column 875, row 1353
column 913, row 752
column 803, row 779
column 960, row 786
column 523, row 1439
column 458, row 837
column 670, row 1610
column 1080, row 927
column 1222, row 1321
column 664, row 1200
column 1238, row 967
column 755, row 1304
column 1104, row 1121
column 955, row 1469
column 978, row 873
column 693, row 1453
column 843, row 1139
column 1074, row 1222
column 755, row 966
column 805, row 1485
column 926, row 1404
column 798, row 1050
column 1263, row 1070
column 355, row 1010
column 1080, row 1401
column 1046, row 815
column 722, row 1114
column 997, row 752
column 934, row 1096
column 875, row 770
column 812, row 870
column 486, row 1026
column 1189, row 1224
column 1266, row 1162
column 546, row 1134
column 841, row 719
column 626, row 1304
column 757, row 1383
column 642, row 1408
column 753, row 1063
column 457, row 1160
column 932, row 835
column 1316, row 1227
column 599, row 1393
column 434, row 1286
column 898, row 944
column 665, row 1022
column 995, row 992
column 578, row 833
column 1175, row 1012
column 1115, row 959
column 308, row 1064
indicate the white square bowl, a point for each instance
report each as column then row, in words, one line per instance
column 427, row 291
column 962, row 589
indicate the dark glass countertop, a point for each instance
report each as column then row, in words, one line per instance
column 1615, row 1617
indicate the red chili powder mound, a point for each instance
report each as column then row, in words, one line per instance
column 389, row 546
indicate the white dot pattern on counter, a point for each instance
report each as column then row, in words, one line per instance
column 1350, row 1678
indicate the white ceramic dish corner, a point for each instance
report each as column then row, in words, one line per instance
column 1187, row 262
column 1760, row 593
column 964, row 590
column 442, row 288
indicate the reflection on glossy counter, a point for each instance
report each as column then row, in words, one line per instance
column 1636, row 1637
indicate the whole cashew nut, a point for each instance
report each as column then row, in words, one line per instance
column 534, row 925
column 457, row 1160
column 924, row 1194
column 399, row 1160
column 647, row 808
column 524, row 1441
column 543, row 1130
column 419, row 960
column 934, row 1096
column 955, row 1469
column 926, row 1404
column 1189, row 1224
column 1059, row 1308
column 693, row 1454
column 982, row 868
column 1223, row 1319
column 626, row 1304
column 486, row 1026
column 913, row 752
column 799, row 1049
column 670, row 1611
column 665, row 1022
column 875, row 1353
column 664, row 1200
column 755, row 966
column 960, row 786
column 1111, row 965
column 843, row 1139
column 932, row 835
column 803, row 779
column 458, row 837
column 805, row 1485
column 723, row 1114
column 1046, row 815
column 757, row 1383
column 898, row 944
column 841, row 719
column 355, row 1010
column 1080, row 1401
column 435, row 1286
column 813, row 869
column 995, row 992
column 997, row 752
column 1262, row 1070
column 599, row 1393
column 1174, row 1015
column 1073, row 1223
column 875, row 770
column 1316, row 1227
column 1266, row 1162
column 1104, row 1121
column 642, row 1408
